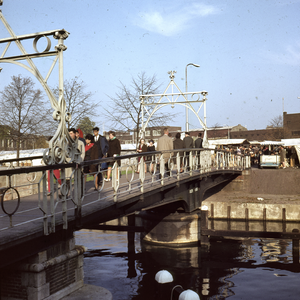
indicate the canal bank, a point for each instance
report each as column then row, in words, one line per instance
column 268, row 194
column 90, row 292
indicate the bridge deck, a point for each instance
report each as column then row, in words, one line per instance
column 97, row 207
column 40, row 220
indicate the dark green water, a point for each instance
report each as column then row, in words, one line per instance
column 229, row 268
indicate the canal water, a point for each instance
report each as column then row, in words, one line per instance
column 228, row 268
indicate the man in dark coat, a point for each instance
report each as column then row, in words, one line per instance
column 188, row 142
column 178, row 144
column 113, row 151
column 198, row 144
column 199, row 141
column 102, row 145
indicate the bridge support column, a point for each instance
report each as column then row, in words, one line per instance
column 175, row 229
column 50, row 274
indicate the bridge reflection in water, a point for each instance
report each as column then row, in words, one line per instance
column 242, row 268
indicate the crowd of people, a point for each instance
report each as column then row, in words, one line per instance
column 288, row 154
column 96, row 146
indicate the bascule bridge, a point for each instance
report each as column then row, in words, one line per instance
column 40, row 212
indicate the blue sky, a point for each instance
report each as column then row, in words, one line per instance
column 248, row 51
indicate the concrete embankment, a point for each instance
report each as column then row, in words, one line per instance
column 268, row 194
column 90, row 292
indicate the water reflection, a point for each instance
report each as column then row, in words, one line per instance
column 235, row 268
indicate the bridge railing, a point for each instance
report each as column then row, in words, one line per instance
column 57, row 192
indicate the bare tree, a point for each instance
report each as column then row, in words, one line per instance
column 78, row 102
column 214, row 132
column 276, row 122
column 276, row 125
column 126, row 111
column 23, row 111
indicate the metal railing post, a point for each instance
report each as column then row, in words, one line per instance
column 45, row 206
column 191, row 162
column 52, row 208
column 162, row 168
column 78, row 180
column 115, row 180
column 142, row 173
column 178, row 165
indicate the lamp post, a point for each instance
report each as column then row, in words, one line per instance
column 228, row 136
column 186, row 108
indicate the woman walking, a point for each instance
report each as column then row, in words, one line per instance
column 91, row 153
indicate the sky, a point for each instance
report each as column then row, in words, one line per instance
column 248, row 51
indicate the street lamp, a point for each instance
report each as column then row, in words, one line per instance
column 228, row 136
column 186, row 109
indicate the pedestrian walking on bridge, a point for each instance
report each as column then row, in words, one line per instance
column 165, row 143
column 113, row 151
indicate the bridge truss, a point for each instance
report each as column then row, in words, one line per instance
column 61, row 146
column 173, row 96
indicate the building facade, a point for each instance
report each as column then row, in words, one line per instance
column 257, row 135
column 291, row 125
column 151, row 133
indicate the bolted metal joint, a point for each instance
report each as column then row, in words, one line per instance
column 172, row 74
column 204, row 93
column 62, row 34
column 61, row 47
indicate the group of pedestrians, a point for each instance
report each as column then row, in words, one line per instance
column 97, row 147
column 166, row 142
column 92, row 147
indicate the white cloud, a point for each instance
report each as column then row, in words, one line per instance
column 290, row 55
column 202, row 10
column 171, row 23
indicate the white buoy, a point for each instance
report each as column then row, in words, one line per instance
column 163, row 276
column 188, row 295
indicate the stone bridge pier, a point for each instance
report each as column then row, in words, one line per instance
column 49, row 274
column 179, row 224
